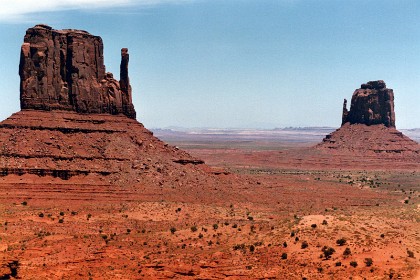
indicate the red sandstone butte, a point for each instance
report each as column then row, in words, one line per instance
column 64, row 70
column 369, row 126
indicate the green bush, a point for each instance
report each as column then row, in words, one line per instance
column 347, row 252
column 410, row 254
column 368, row 261
column 353, row 263
column 328, row 251
column 341, row 241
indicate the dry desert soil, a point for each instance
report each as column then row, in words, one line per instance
column 280, row 210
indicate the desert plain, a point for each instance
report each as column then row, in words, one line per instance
column 276, row 204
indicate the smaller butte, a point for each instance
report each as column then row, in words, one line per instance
column 369, row 126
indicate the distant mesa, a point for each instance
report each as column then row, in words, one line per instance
column 372, row 104
column 64, row 70
column 369, row 126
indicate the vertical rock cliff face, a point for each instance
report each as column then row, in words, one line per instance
column 64, row 70
column 372, row 104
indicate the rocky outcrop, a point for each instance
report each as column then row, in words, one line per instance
column 65, row 144
column 371, row 139
column 64, row 70
column 372, row 104
column 62, row 131
column 369, row 127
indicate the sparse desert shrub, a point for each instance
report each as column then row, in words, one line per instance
column 328, row 251
column 41, row 215
column 250, row 218
column 338, row 264
column 252, row 228
column 341, row 241
column 173, row 230
column 292, row 234
column 284, row 244
column 368, row 261
column 200, row 235
column 24, row 203
column 313, row 226
column 89, row 216
column 239, row 247
column 234, row 226
column 382, row 235
column 61, row 221
column 194, row 228
column 61, row 213
column 252, row 248
column 128, row 230
column 296, row 239
column 304, row 245
column 324, row 222
column 353, row 263
column 215, row 226
column 347, row 252
column 284, row 256
column 410, row 254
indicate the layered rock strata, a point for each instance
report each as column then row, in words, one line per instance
column 64, row 144
column 64, row 70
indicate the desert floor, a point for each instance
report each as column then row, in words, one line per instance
column 277, row 206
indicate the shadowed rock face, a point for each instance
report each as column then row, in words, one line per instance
column 64, row 70
column 372, row 104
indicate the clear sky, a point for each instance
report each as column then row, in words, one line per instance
column 237, row 63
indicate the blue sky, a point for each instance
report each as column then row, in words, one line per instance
column 237, row 63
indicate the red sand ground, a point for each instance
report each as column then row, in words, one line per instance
column 249, row 224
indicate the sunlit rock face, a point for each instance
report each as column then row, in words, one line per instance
column 372, row 104
column 64, row 70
